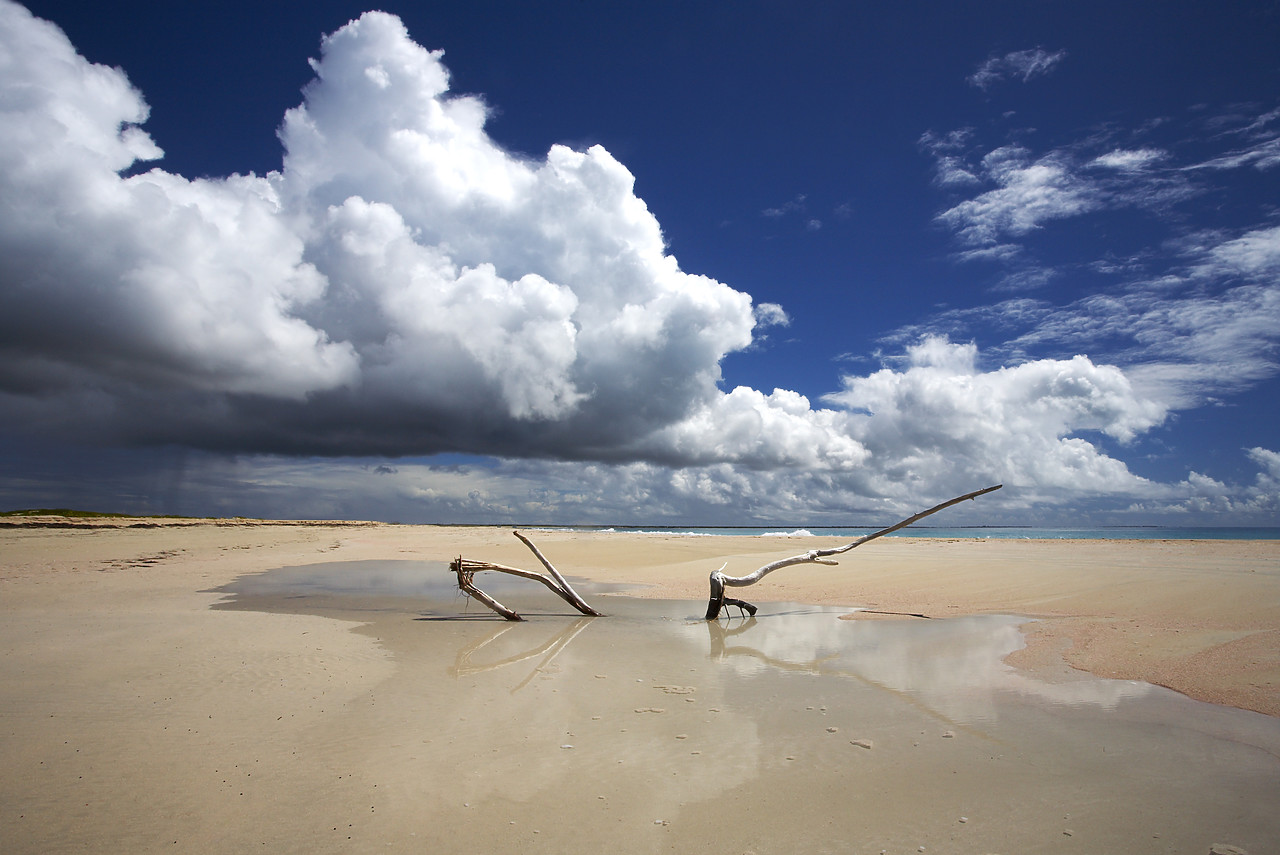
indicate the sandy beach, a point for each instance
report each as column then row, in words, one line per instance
column 149, row 700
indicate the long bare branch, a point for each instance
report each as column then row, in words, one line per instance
column 719, row 581
column 566, row 590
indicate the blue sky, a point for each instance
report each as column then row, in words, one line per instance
column 704, row 263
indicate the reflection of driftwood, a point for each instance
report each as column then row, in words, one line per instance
column 719, row 581
column 719, row 635
column 463, row 666
column 466, row 570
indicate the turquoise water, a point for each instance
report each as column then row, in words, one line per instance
column 993, row 532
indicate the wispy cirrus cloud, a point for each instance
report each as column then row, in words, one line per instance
column 1025, row 191
column 1192, row 314
column 1130, row 160
column 1204, row 326
column 797, row 207
column 1262, row 155
column 1004, row 195
column 1028, row 192
column 1021, row 65
column 1258, row 137
column 949, row 151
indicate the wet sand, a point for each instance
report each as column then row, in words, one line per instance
column 149, row 700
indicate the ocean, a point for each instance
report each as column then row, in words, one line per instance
column 966, row 532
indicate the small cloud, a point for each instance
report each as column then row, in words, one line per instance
column 771, row 315
column 948, row 151
column 1262, row 156
column 1018, row 65
column 1269, row 462
column 995, row 252
column 1029, row 193
column 795, row 206
column 953, row 173
column 1255, row 254
column 1027, row 279
column 951, row 142
column 1134, row 160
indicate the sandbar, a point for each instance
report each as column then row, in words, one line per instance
column 1064, row 695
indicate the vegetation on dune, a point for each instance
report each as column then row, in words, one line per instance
column 68, row 512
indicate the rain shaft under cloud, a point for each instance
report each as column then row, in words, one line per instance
column 405, row 286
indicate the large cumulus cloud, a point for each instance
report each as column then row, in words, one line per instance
column 401, row 285
column 151, row 279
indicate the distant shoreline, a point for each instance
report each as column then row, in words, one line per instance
column 117, row 521
column 58, row 519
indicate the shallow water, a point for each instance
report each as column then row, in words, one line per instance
column 802, row 729
column 957, row 532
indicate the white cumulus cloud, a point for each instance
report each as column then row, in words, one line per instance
column 402, row 285
column 1022, row 424
column 154, row 278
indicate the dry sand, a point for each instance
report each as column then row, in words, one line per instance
column 141, row 709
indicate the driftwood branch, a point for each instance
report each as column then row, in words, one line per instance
column 466, row 570
column 717, row 600
column 562, row 585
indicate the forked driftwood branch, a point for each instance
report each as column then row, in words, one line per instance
column 466, row 570
column 719, row 581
